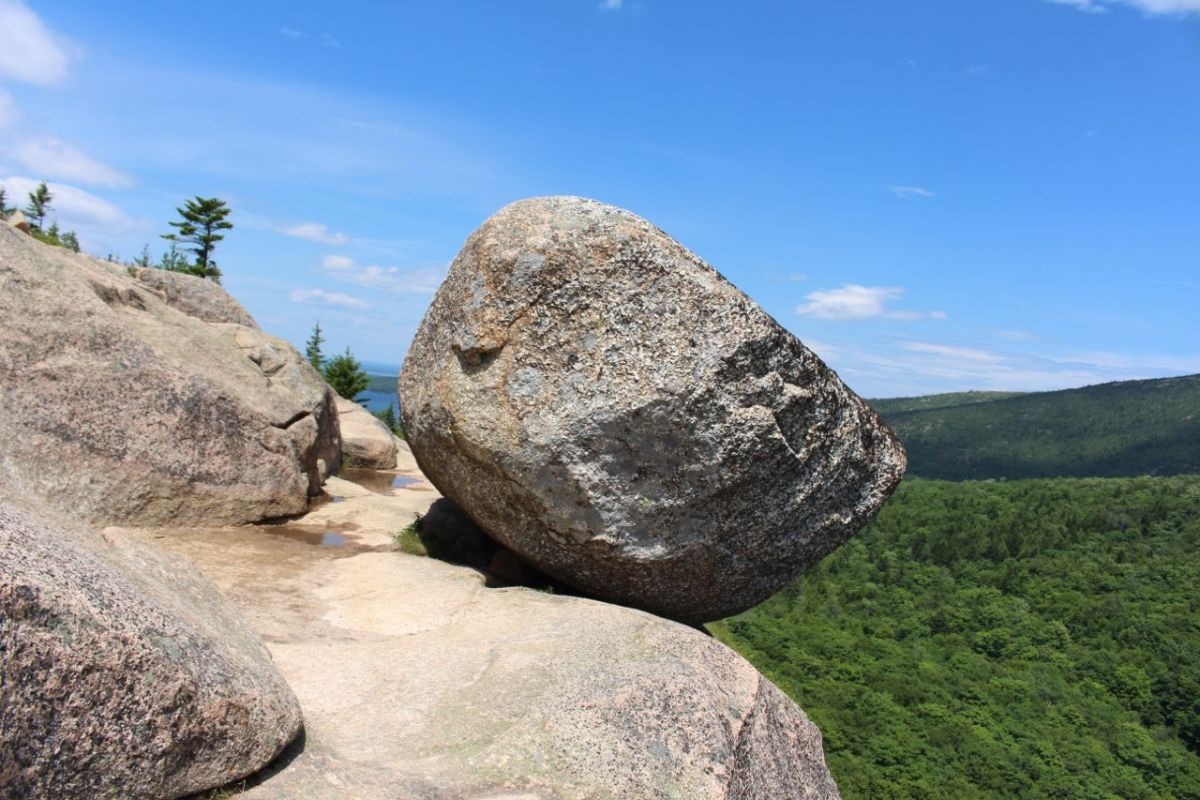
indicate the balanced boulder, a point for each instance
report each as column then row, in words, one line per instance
column 135, row 398
column 122, row 672
column 607, row 405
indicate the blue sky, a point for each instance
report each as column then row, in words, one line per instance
column 935, row 196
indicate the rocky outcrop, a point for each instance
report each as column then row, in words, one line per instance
column 605, row 404
column 417, row 681
column 194, row 296
column 18, row 221
column 120, row 407
column 366, row 441
column 124, row 673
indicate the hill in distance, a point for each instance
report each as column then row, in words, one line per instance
column 1122, row 429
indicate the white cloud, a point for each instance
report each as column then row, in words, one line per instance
column 611, row 5
column 291, row 33
column 1090, row 6
column 8, row 109
column 852, row 301
column 337, row 263
column 313, row 232
column 392, row 279
column 29, row 51
column 54, row 158
column 71, row 205
column 947, row 351
column 326, row 298
column 909, row 192
column 1152, row 7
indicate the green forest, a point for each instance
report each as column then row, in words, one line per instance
column 1025, row 639
column 1115, row 429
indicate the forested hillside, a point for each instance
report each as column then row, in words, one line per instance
column 895, row 405
column 1112, row 430
column 1027, row 639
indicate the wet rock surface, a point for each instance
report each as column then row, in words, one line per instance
column 125, row 673
column 121, row 408
column 605, row 404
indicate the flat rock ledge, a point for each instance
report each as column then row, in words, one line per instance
column 418, row 682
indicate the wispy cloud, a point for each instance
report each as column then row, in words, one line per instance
column 373, row 276
column 611, row 5
column 72, row 205
column 8, row 109
column 323, row 39
column 1152, row 7
column 313, row 232
column 889, row 368
column 326, row 298
column 52, row 158
column 910, row 192
column 29, row 51
column 970, row 354
column 854, row 302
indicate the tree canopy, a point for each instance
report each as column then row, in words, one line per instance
column 346, row 375
column 1025, row 639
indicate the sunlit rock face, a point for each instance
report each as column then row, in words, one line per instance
column 607, row 405
column 135, row 398
column 125, row 674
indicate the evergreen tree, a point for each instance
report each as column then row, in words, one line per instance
column 312, row 349
column 346, row 375
column 39, row 205
column 70, row 241
column 144, row 259
column 4, row 208
column 202, row 220
column 174, row 261
column 389, row 417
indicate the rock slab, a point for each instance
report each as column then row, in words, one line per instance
column 608, row 406
column 133, row 398
column 418, row 682
column 122, row 672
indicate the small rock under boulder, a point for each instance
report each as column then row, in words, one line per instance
column 123, row 405
column 124, row 673
column 366, row 441
column 608, row 406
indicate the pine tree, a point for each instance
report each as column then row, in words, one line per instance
column 144, row 259
column 70, row 241
column 174, row 261
column 312, row 349
column 346, row 376
column 4, row 209
column 202, row 220
column 39, row 205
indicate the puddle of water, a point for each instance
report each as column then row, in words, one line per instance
column 376, row 481
column 307, row 535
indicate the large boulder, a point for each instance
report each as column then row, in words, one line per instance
column 366, row 441
column 123, row 405
column 607, row 405
column 122, row 671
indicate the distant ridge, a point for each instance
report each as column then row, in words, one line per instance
column 1126, row 428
